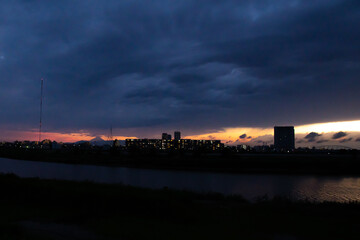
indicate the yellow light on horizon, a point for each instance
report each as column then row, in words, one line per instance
column 233, row 134
column 348, row 126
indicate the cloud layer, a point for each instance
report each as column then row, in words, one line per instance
column 311, row 137
column 339, row 135
column 191, row 65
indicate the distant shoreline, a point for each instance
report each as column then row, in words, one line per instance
column 293, row 164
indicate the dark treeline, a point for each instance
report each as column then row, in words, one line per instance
column 321, row 162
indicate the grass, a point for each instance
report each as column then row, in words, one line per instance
column 114, row 211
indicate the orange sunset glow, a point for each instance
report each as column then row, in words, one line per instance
column 227, row 135
column 232, row 134
column 59, row 137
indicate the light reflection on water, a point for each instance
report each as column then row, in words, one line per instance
column 340, row 189
column 319, row 188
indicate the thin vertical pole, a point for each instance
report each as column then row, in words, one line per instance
column 41, row 103
column 110, row 137
column 111, row 133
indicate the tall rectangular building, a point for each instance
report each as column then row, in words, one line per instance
column 164, row 136
column 284, row 138
column 177, row 135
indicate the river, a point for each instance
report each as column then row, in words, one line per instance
column 250, row 186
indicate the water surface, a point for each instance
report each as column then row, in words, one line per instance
column 250, row 186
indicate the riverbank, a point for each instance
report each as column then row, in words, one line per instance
column 53, row 209
column 347, row 163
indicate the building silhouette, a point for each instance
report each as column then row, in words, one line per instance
column 168, row 144
column 284, row 138
column 166, row 136
column 177, row 135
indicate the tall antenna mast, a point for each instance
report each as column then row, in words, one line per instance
column 110, row 137
column 41, row 103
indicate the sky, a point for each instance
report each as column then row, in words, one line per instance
column 207, row 68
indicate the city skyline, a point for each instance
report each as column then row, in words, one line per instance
column 315, row 135
column 190, row 119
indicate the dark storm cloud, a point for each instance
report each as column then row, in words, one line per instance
column 357, row 140
column 262, row 140
column 243, row 136
column 345, row 140
column 193, row 65
column 339, row 135
column 312, row 137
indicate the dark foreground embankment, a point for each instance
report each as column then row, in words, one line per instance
column 51, row 209
column 336, row 163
